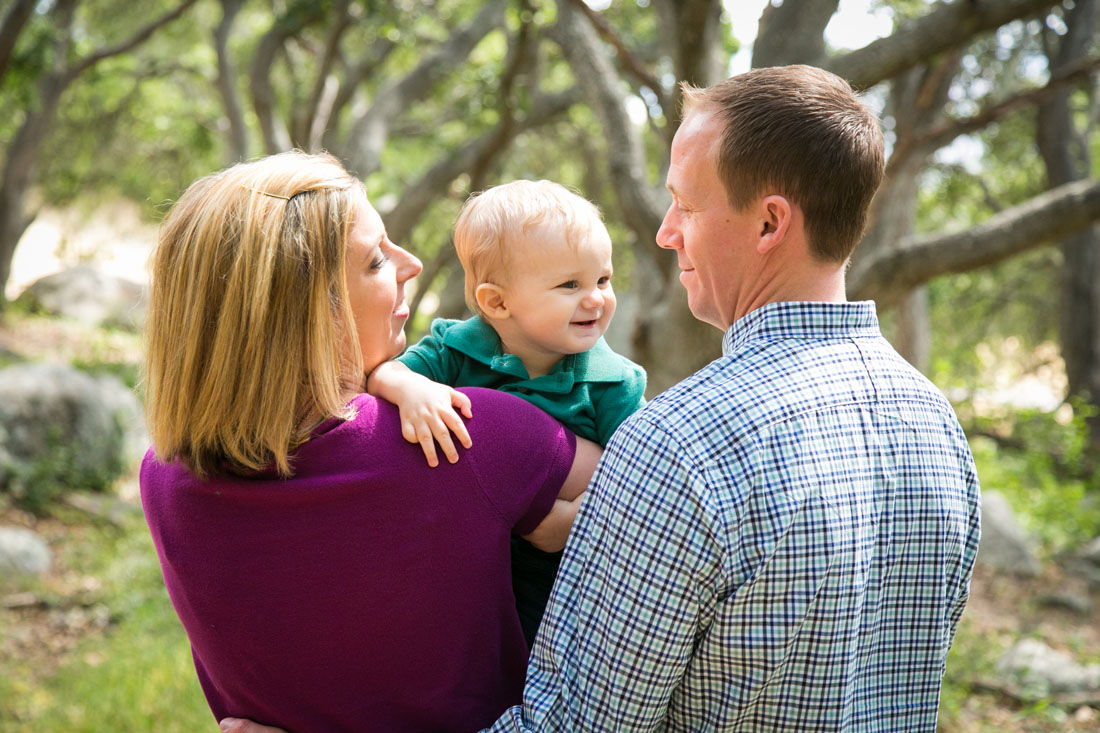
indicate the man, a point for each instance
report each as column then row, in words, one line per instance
column 784, row 540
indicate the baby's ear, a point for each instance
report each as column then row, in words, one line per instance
column 490, row 298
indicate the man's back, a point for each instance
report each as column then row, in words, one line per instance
column 781, row 542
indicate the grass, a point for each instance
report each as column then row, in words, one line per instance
column 135, row 676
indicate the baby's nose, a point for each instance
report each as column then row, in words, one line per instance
column 593, row 298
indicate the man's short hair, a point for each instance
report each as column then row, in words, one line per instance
column 493, row 225
column 800, row 132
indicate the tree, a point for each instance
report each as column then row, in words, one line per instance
column 58, row 54
column 920, row 62
column 429, row 100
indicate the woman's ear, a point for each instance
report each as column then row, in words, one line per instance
column 490, row 298
column 776, row 213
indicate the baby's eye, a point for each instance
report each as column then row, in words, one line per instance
column 604, row 281
column 570, row 284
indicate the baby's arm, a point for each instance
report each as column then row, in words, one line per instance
column 551, row 534
column 427, row 408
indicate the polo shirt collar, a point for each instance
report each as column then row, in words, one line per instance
column 476, row 339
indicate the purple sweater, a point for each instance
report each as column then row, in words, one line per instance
column 368, row 592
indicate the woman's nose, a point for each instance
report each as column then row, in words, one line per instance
column 408, row 265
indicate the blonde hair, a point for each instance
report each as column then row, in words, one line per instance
column 495, row 222
column 249, row 327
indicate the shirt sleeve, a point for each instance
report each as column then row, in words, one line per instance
column 520, row 456
column 635, row 592
column 618, row 402
column 430, row 358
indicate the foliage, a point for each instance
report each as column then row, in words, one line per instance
column 36, row 482
column 972, row 656
column 1040, row 461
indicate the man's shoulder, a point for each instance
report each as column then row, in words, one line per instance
column 704, row 411
column 772, row 381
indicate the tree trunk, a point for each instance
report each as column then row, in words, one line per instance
column 18, row 174
column 237, row 133
column 1065, row 153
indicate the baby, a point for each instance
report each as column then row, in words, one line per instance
column 537, row 260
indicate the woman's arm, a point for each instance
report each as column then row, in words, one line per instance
column 552, row 532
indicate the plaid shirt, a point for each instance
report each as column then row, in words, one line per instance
column 781, row 542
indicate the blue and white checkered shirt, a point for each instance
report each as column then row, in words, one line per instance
column 781, row 542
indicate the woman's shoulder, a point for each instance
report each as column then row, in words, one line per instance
column 499, row 412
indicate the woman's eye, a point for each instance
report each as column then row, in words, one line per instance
column 378, row 263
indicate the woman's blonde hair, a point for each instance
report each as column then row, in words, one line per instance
column 249, row 329
column 495, row 223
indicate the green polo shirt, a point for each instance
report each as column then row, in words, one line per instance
column 590, row 393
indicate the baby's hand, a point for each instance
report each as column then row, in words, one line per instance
column 429, row 416
column 427, row 408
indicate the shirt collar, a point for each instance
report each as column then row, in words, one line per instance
column 816, row 320
column 476, row 339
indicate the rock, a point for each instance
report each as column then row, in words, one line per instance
column 85, row 294
column 7, row 356
column 22, row 552
column 1077, row 603
column 1045, row 671
column 1091, row 552
column 63, row 429
column 1004, row 545
column 1088, row 570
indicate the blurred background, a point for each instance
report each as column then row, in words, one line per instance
column 983, row 258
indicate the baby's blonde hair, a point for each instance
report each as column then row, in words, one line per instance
column 249, row 327
column 495, row 222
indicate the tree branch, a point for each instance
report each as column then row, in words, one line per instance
column 792, row 33
column 599, row 86
column 314, row 114
column 946, row 131
column 886, row 275
column 294, row 19
column 416, row 198
column 227, row 88
column 369, row 132
column 379, row 50
column 629, row 61
column 133, row 42
column 946, row 26
column 17, row 17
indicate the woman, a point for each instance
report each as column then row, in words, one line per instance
column 327, row 578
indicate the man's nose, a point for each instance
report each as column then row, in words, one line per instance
column 667, row 235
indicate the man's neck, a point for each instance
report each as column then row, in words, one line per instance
column 813, row 283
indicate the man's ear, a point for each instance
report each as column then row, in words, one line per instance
column 776, row 213
column 490, row 298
